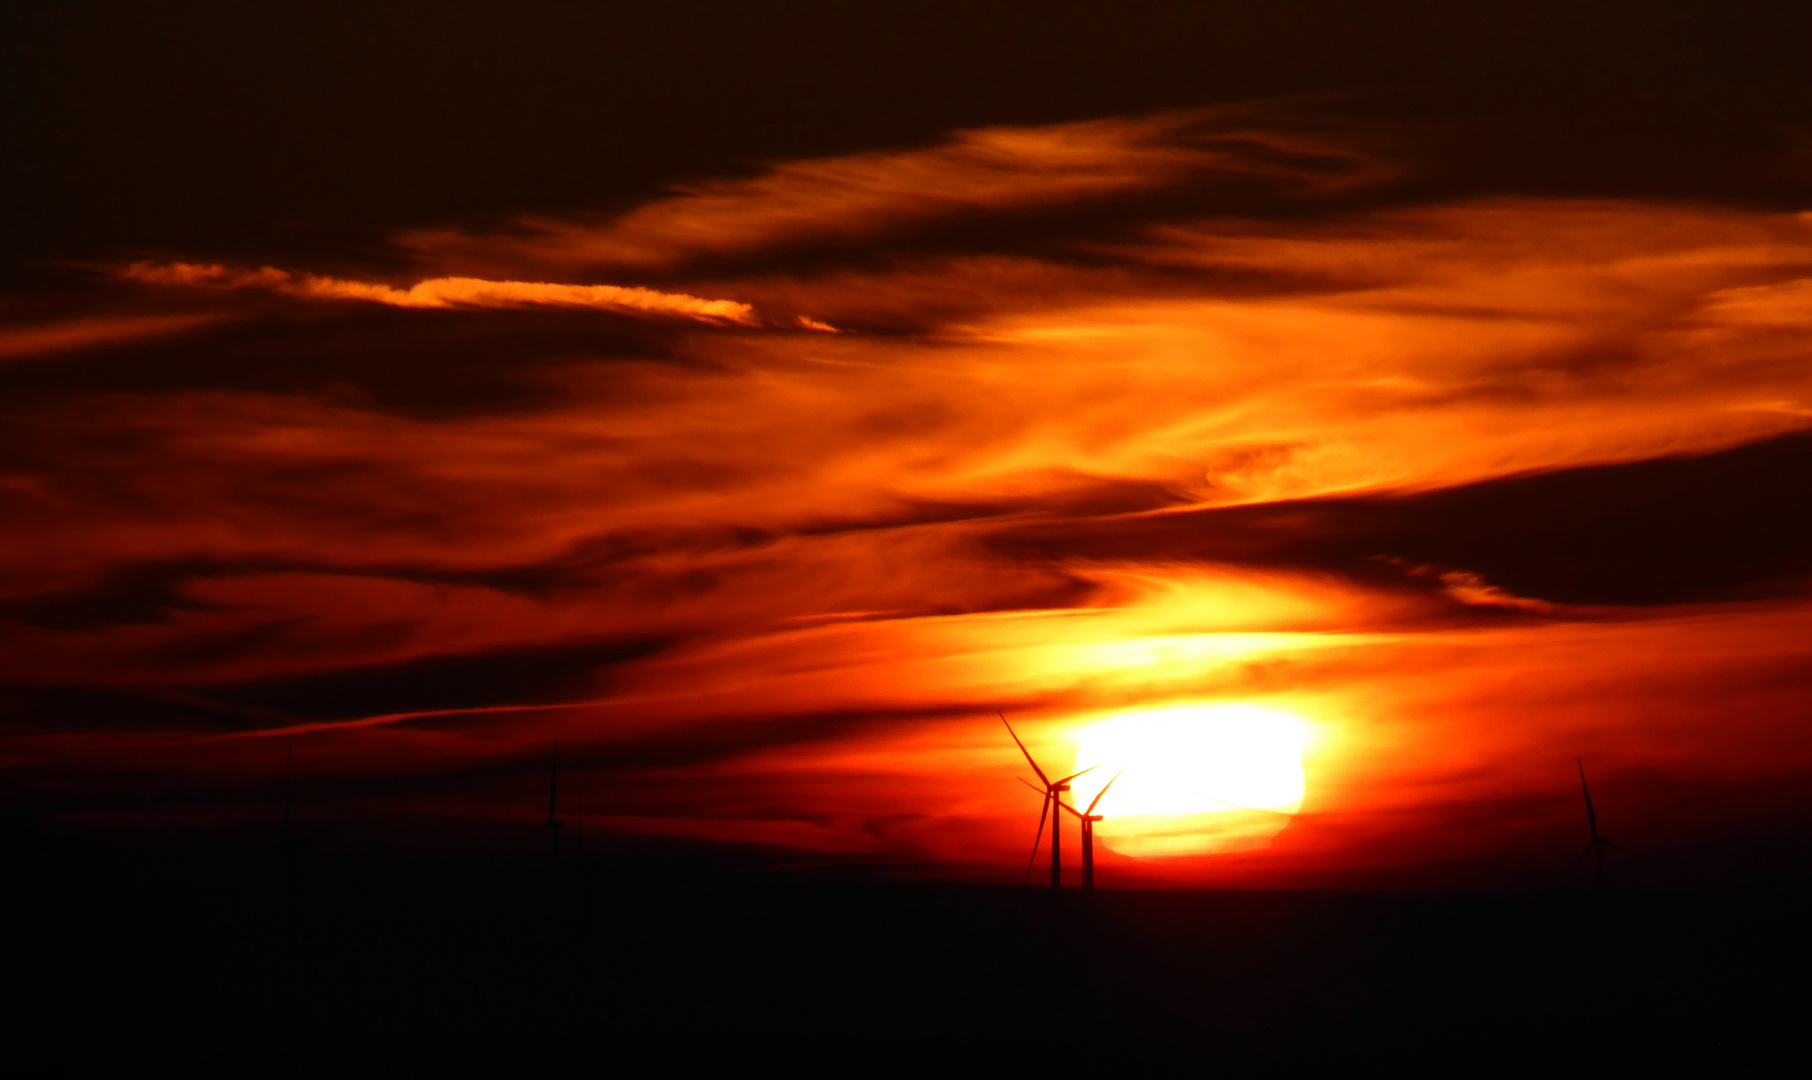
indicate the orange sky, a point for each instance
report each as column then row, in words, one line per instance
column 761, row 502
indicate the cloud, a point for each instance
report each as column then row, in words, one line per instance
column 20, row 342
column 1396, row 349
column 446, row 292
column 862, row 197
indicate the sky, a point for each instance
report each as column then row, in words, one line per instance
column 761, row 400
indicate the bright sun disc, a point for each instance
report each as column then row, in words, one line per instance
column 1193, row 779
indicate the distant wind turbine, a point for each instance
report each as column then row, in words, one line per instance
column 1596, row 845
column 1053, row 790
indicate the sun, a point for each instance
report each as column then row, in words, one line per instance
column 1193, row 779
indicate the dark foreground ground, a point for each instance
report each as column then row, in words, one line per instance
column 355, row 964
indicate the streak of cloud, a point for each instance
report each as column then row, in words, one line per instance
column 20, row 342
column 446, row 292
column 865, row 196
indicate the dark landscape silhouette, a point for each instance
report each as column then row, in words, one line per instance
column 171, row 948
column 476, row 951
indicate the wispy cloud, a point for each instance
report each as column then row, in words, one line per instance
column 866, row 196
column 19, row 342
column 445, row 292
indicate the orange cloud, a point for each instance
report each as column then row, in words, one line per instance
column 864, row 196
column 1392, row 350
column 88, row 332
column 1512, row 338
column 447, row 292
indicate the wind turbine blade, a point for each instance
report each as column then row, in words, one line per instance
column 1043, row 809
column 1070, row 808
column 1590, row 813
column 1074, row 775
column 1590, row 844
column 1103, row 791
column 1022, row 749
column 1034, row 787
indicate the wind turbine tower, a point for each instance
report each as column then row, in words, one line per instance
column 1088, row 818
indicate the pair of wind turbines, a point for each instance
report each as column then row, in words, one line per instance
column 1053, row 791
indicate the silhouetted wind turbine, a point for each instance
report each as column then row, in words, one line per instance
column 1088, row 818
column 1052, row 792
column 1597, row 844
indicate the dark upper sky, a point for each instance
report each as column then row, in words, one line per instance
column 224, row 129
column 752, row 395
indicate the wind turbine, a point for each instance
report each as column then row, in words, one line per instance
column 1053, row 791
column 1088, row 818
column 1596, row 845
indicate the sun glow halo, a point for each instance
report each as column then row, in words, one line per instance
column 1193, row 779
